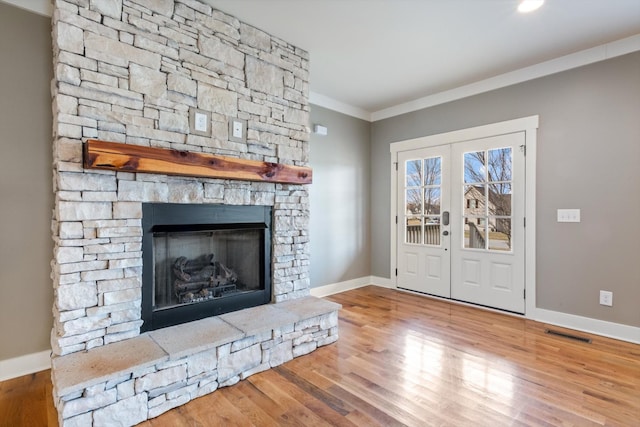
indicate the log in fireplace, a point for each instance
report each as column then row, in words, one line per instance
column 203, row 260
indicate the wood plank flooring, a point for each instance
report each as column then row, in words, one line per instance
column 406, row 360
column 27, row 401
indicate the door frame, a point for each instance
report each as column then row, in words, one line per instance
column 528, row 125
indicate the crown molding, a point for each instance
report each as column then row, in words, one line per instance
column 557, row 65
column 563, row 63
column 41, row 7
column 340, row 107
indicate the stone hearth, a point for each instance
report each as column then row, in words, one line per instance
column 130, row 71
column 128, row 382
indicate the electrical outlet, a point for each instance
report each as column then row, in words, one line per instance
column 606, row 298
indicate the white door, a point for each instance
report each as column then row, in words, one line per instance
column 487, row 185
column 475, row 203
column 423, row 250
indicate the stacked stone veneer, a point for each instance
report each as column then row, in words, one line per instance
column 129, row 71
column 127, row 382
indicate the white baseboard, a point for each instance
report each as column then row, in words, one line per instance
column 579, row 323
column 35, row 362
column 24, row 365
column 586, row 324
column 334, row 288
column 382, row 282
column 347, row 285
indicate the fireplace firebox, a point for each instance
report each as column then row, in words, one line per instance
column 203, row 260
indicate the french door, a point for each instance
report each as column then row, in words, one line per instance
column 424, row 261
column 460, row 221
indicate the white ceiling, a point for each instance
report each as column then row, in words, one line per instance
column 376, row 54
column 376, row 58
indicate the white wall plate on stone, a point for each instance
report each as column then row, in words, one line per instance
column 199, row 122
column 237, row 130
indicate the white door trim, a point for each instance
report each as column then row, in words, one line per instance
column 529, row 125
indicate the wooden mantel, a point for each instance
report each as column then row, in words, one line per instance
column 134, row 158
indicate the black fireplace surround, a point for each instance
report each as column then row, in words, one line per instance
column 202, row 260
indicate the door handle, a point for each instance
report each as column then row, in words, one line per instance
column 445, row 233
column 445, row 218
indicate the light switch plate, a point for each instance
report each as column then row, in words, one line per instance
column 568, row 215
column 199, row 122
column 237, row 130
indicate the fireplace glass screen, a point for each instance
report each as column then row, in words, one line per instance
column 198, row 266
column 202, row 260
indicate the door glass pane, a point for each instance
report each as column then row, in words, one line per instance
column 413, row 230
column 474, row 200
column 432, row 201
column 475, row 169
column 432, row 230
column 423, row 195
column 432, row 171
column 413, row 201
column 500, row 234
column 475, row 233
column 500, row 199
column 414, row 173
column 500, row 164
column 487, row 195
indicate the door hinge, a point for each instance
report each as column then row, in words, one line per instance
column 396, row 219
column 524, row 219
column 524, row 294
column 396, row 272
column 396, row 163
column 523, row 148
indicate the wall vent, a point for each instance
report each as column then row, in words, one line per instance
column 565, row 335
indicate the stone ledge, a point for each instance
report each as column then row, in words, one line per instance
column 176, row 364
column 77, row 371
column 255, row 320
column 307, row 307
column 193, row 337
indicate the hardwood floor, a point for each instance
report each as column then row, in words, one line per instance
column 27, row 401
column 408, row 360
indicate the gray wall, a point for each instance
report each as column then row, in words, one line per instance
column 25, row 182
column 588, row 120
column 588, row 158
column 339, row 196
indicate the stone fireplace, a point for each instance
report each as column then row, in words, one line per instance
column 203, row 260
column 130, row 71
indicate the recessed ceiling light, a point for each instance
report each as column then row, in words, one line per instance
column 526, row 6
